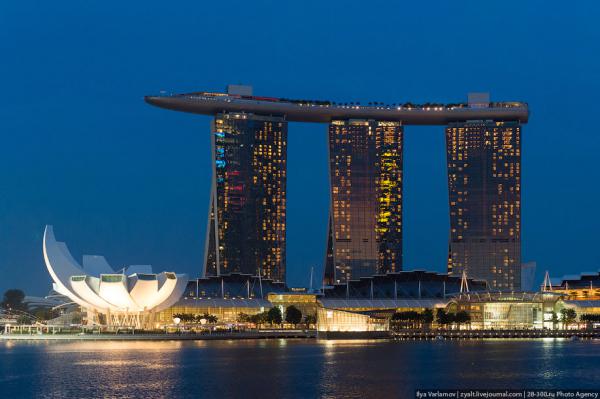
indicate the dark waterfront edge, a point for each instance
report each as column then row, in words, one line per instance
column 395, row 336
column 160, row 337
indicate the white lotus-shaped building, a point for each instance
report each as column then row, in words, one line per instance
column 128, row 297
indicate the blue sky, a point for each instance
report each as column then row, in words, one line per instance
column 82, row 151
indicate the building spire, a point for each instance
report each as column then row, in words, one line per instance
column 464, row 283
column 547, row 284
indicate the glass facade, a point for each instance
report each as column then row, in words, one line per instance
column 484, row 183
column 504, row 310
column 234, row 285
column 306, row 303
column 365, row 228
column 246, row 231
column 343, row 321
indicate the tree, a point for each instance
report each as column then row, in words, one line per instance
column 427, row 316
column 244, row 318
column 450, row 318
column 310, row 319
column 441, row 317
column 274, row 315
column 185, row 317
column 554, row 320
column 259, row 318
column 407, row 319
column 409, row 315
column 462, row 317
column 13, row 299
column 567, row 316
column 293, row 315
column 590, row 318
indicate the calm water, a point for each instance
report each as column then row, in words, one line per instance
column 289, row 368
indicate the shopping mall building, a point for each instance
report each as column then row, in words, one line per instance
column 367, row 304
column 138, row 297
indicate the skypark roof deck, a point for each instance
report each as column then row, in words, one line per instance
column 206, row 103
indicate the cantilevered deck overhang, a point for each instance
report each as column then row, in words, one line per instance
column 325, row 113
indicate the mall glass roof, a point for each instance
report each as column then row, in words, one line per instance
column 381, row 303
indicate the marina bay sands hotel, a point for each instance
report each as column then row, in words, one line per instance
column 247, row 216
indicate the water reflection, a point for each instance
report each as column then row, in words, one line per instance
column 288, row 368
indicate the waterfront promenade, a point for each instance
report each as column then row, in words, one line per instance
column 494, row 334
column 305, row 334
column 273, row 334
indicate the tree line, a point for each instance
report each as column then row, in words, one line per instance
column 413, row 319
column 196, row 318
column 590, row 318
column 273, row 316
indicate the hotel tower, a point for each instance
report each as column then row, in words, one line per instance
column 365, row 224
column 484, row 184
column 246, row 225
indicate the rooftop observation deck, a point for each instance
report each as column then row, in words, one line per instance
column 206, row 103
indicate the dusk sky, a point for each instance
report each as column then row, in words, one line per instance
column 117, row 177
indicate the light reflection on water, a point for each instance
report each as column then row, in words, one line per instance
column 123, row 363
column 289, row 368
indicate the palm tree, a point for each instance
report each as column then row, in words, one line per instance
column 212, row 319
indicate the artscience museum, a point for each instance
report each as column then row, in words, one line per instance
column 131, row 296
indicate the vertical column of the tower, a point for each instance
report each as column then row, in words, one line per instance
column 389, row 143
column 249, row 213
column 329, row 272
column 484, row 185
column 365, row 235
column 211, row 263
